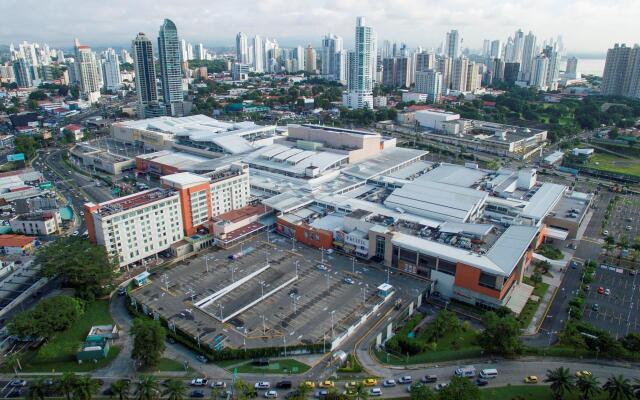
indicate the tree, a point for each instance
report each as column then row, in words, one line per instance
column 85, row 387
column 588, row 386
column 618, row 388
column 459, row 389
column 631, row 342
column 67, row 383
column 501, row 334
column 148, row 342
column 51, row 315
column 37, row 390
column 147, row 388
column 27, row 145
column 242, row 390
column 361, row 392
column 422, row 392
column 175, row 390
column 120, row 388
column 561, row 381
column 80, row 264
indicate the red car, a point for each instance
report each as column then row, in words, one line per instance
column 600, row 290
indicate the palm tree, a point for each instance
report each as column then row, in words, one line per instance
column 37, row 390
column 561, row 381
column 175, row 390
column 86, row 387
column 120, row 388
column 618, row 388
column 361, row 392
column 147, row 388
column 588, row 386
column 303, row 391
column 67, row 384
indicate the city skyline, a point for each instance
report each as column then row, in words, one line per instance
column 300, row 23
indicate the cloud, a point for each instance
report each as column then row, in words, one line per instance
column 586, row 25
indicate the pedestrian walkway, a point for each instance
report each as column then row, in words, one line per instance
column 541, row 312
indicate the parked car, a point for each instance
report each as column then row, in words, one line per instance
column 219, row 385
column 482, row 382
column 284, row 385
column 18, row 382
column 197, row 394
column 262, row 385
column 199, row 382
column 389, row 383
column 531, row 379
column 270, row 394
column 375, row 392
column 404, row 380
column 429, row 379
column 607, row 292
column 202, row 358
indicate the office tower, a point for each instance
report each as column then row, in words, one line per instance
column 385, row 51
column 444, row 65
column 622, row 72
column 459, row 74
column 362, row 68
column 258, row 54
column 497, row 70
column 60, row 57
column 240, row 72
column 496, row 49
column 528, row 54
column 169, row 57
column 452, row 44
column 242, row 48
column 538, row 75
column 425, row 61
column 486, row 48
column 310, row 57
column 473, row 77
column 395, row 72
column 183, row 50
column 88, row 72
column 572, row 66
column 518, row 45
column 111, row 71
column 341, row 66
column 146, row 88
column 201, row 52
column 553, row 69
column 511, row 72
column 298, row 56
column 21, row 73
column 331, row 46
column 430, row 83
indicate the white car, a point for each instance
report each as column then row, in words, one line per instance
column 404, row 379
column 607, row 292
column 199, row 382
column 440, row 386
column 321, row 267
column 606, row 233
column 270, row 394
column 262, row 385
column 375, row 392
column 219, row 385
column 349, row 281
column 389, row 383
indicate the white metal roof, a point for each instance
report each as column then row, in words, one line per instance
column 185, row 179
column 544, row 200
column 510, row 246
column 453, row 175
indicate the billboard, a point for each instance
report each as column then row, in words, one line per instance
column 15, row 157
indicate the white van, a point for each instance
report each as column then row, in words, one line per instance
column 488, row 373
column 468, row 371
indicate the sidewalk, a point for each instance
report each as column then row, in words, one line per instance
column 541, row 311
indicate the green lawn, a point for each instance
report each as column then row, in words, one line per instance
column 531, row 307
column 167, row 365
column 59, row 353
column 275, row 367
column 522, row 392
column 611, row 163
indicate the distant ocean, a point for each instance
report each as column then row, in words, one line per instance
column 587, row 66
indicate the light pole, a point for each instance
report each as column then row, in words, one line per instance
column 284, row 340
column 388, row 274
column 353, row 265
column 262, row 283
column 232, row 271
column 221, row 307
column 321, row 255
column 264, row 326
column 296, row 264
column 332, row 331
column 293, row 243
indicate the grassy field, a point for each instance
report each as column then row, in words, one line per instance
column 611, row 163
column 167, row 365
column 58, row 354
column 531, row 307
column 523, row 392
column 275, row 367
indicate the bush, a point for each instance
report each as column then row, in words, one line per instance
column 51, row 315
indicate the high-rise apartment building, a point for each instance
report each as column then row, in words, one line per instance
column 310, row 59
column 170, row 59
column 258, row 54
column 430, row 83
column 459, row 72
column 200, row 52
column 395, row 72
column 572, row 66
column 538, row 75
column 111, row 71
column 21, row 73
column 511, row 72
column 331, row 46
column 496, row 49
column 622, row 72
column 242, row 48
column 473, row 77
column 146, row 88
column 452, row 44
column 528, row 55
column 362, row 68
column 425, row 61
column 518, row 45
column 89, row 75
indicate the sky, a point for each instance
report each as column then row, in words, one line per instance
column 587, row 26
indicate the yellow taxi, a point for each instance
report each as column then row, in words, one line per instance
column 327, row 384
column 309, row 384
column 370, row 382
column 531, row 379
column 583, row 374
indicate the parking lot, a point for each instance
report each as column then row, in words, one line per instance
column 625, row 218
column 618, row 312
column 272, row 295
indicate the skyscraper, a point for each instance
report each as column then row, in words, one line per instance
column 242, row 48
column 430, row 83
column 21, row 73
column 528, row 54
column 258, row 54
column 395, row 72
column 201, row 53
column 511, row 72
column 425, row 61
column 622, row 72
column 459, row 74
column 572, row 66
column 496, row 49
column 169, row 57
column 452, row 44
column 539, row 70
column 331, row 45
column 518, row 44
column 310, row 57
column 146, row 88
column 88, row 72
column 360, row 81
column 111, row 71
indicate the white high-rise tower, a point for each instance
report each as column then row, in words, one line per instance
column 242, row 48
column 362, row 70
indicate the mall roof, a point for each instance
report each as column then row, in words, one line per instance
column 184, row 179
column 174, row 159
column 437, row 200
column 543, row 201
column 452, row 174
column 510, row 246
column 279, row 157
column 386, row 162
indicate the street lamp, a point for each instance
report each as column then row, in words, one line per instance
column 332, row 331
